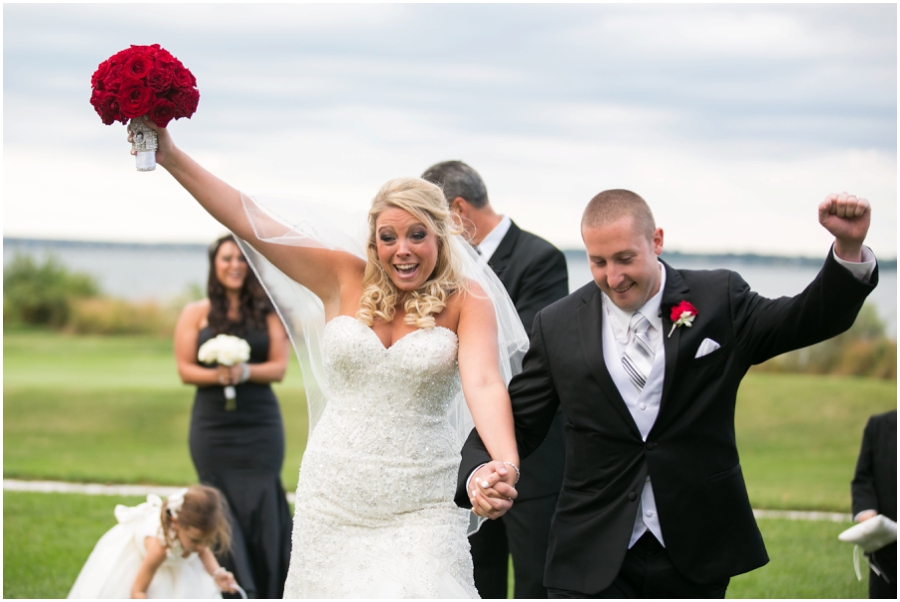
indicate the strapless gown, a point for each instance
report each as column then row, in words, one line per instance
column 374, row 515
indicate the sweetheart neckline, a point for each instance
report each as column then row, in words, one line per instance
column 397, row 342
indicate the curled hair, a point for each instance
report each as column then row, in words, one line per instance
column 254, row 303
column 426, row 202
column 204, row 509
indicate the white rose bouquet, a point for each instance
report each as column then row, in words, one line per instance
column 225, row 350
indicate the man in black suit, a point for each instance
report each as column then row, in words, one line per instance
column 874, row 490
column 535, row 275
column 646, row 362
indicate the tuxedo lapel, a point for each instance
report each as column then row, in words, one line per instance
column 502, row 256
column 676, row 292
column 590, row 329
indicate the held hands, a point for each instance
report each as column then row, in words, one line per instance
column 847, row 218
column 492, row 491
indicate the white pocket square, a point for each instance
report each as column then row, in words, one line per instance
column 706, row 347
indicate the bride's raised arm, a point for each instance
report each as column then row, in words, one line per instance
column 323, row 271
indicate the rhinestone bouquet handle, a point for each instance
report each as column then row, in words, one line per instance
column 145, row 142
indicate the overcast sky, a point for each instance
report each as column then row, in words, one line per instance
column 732, row 121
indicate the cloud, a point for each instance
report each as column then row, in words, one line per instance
column 720, row 114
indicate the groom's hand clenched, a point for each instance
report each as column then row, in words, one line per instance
column 847, row 218
column 491, row 490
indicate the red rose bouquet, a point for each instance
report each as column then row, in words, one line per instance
column 143, row 80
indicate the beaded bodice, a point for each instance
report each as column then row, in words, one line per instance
column 388, row 406
column 407, row 385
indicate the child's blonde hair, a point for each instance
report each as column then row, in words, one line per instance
column 204, row 509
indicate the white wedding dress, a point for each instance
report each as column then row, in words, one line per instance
column 375, row 516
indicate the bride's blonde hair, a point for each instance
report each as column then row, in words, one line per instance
column 424, row 201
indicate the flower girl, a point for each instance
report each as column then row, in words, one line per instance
column 161, row 550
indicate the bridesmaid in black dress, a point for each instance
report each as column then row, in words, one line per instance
column 241, row 451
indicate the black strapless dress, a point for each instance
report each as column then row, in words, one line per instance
column 241, row 453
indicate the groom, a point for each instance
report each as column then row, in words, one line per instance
column 653, row 502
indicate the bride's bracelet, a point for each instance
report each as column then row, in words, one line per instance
column 518, row 474
column 219, row 571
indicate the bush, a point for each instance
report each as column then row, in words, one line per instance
column 42, row 294
column 115, row 316
column 863, row 350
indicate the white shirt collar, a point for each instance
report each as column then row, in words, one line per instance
column 488, row 246
column 649, row 310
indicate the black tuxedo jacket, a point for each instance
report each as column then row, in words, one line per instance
column 690, row 453
column 534, row 274
column 874, row 485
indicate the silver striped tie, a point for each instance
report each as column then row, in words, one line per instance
column 638, row 358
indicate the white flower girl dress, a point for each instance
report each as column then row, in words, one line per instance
column 113, row 565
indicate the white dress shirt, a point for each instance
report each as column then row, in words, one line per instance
column 643, row 405
column 488, row 246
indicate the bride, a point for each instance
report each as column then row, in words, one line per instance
column 407, row 344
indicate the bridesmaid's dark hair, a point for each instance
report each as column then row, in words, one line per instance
column 254, row 303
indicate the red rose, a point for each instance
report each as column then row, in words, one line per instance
column 164, row 58
column 183, row 78
column 185, row 101
column 163, row 112
column 119, row 58
column 97, row 80
column 143, row 80
column 138, row 65
column 159, row 79
column 135, row 98
column 679, row 310
column 107, row 106
column 114, row 78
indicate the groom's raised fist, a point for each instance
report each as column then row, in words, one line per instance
column 847, row 218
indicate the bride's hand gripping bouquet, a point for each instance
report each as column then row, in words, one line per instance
column 139, row 81
column 225, row 350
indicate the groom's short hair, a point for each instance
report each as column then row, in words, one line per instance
column 458, row 180
column 611, row 205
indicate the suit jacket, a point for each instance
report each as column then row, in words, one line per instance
column 535, row 275
column 690, row 453
column 874, row 485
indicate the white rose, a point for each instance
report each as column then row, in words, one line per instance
column 225, row 349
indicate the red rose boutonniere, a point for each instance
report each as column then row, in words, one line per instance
column 682, row 314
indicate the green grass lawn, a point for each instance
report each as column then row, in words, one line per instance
column 111, row 410
column 799, row 436
column 48, row 537
column 806, row 560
